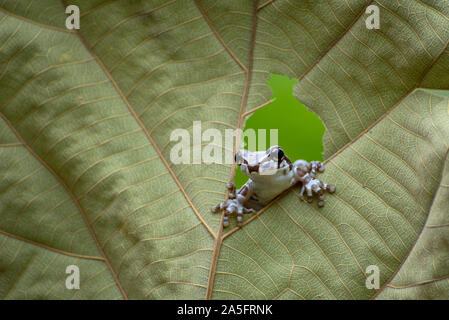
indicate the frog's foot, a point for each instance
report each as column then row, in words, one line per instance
column 318, row 187
column 231, row 195
column 232, row 206
column 329, row 188
column 316, row 166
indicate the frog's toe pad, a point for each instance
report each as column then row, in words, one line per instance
column 215, row 209
column 247, row 211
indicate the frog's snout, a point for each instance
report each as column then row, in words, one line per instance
column 246, row 169
column 241, row 161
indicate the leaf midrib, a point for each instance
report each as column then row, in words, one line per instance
column 219, row 238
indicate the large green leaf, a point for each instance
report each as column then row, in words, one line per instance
column 424, row 273
column 86, row 177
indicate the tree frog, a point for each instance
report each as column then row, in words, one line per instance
column 270, row 173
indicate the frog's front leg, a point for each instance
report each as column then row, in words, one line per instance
column 235, row 203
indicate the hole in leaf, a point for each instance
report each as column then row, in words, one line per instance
column 300, row 131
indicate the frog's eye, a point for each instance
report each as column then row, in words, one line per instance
column 280, row 156
column 277, row 154
column 238, row 158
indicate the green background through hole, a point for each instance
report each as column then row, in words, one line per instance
column 300, row 131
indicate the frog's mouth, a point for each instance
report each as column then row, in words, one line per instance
column 252, row 169
column 260, row 163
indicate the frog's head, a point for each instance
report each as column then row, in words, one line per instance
column 268, row 162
